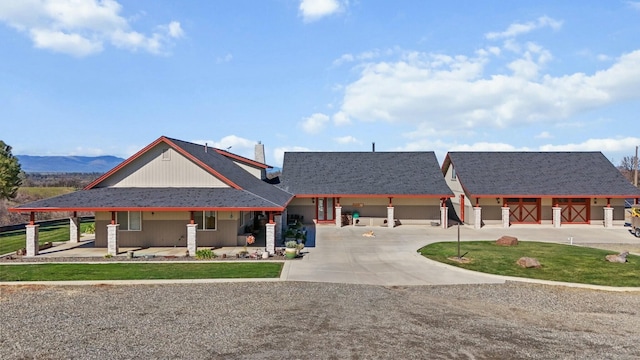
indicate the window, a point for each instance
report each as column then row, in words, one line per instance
column 453, row 173
column 206, row 220
column 130, row 220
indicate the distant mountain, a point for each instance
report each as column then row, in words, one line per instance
column 68, row 164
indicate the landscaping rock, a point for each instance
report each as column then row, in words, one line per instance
column 527, row 262
column 620, row 258
column 507, row 241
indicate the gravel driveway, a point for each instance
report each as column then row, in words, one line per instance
column 317, row 320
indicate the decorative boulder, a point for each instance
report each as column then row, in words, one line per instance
column 527, row 262
column 620, row 258
column 507, row 241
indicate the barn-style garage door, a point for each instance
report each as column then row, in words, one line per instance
column 574, row 211
column 523, row 210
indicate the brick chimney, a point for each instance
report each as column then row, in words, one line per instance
column 259, row 154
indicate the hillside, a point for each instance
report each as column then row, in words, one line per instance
column 68, row 164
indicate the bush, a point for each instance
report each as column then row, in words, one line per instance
column 291, row 244
column 204, row 254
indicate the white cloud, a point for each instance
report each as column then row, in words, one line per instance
column 604, row 145
column 428, row 90
column 340, row 119
column 82, row 27
column 224, row 59
column 312, row 10
column 367, row 55
column 278, row 153
column 314, row 123
column 634, row 4
column 175, row 30
column 544, row 135
column 517, row 29
column 346, row 140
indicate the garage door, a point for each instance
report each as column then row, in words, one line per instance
column 523, row 210
column 574, row 211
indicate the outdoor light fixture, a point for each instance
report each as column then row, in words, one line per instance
column 595, row 201
column 498, row 200
column 313, row 200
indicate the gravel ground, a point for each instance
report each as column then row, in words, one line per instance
column 317, row 320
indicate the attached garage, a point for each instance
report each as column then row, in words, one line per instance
column 559, row 188
column 377, row 188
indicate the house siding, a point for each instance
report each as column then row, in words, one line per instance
column 151, row 170
column 257, row 172
column 166, row 229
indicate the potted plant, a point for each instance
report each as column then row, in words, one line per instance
column 301, row 237
column 291, row 249
column 290, row 235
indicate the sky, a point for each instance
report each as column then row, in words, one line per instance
column 108, row 77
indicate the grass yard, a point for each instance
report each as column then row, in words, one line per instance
column 559, row 262
column 11, row 241
column 139, row 271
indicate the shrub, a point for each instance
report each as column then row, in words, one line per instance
column 291, row 244
column 202, row 254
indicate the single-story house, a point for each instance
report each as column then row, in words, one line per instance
column 173, row 193
column 366, row 188
column 536, row 188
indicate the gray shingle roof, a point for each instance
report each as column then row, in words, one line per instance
column 254, row 192
column 363, row 173
column 152, row 199
column 580, row 174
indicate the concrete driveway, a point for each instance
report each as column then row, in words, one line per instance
column 390, row 258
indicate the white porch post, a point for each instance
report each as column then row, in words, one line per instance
column 608, row 217
column 192, row 245
column 74, row 229
column 557, row 216
column 505, row 216
column 444, row 217
column 271, row 237
column 390, row 217
column 338, row 216
column 112, row 239
column 477, row 217
column 32, row 240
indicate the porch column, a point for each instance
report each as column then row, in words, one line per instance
column 112, row 239
column 505, row 216
column 390, row 217
column 557, row 216
column 608, row 217
column 32, row 240
column 271, row 238
column 191, row 239
column 338, row 216
column 444, row 216
column 74, row 229
column 477, row 217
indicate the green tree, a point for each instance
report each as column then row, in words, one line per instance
column 9, row 173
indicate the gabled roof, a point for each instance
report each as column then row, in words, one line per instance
column 538, row 174
column 398, row 174
column 245, row 190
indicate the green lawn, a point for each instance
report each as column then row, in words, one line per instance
column 139, row 271
column 11, row 241
column 45, row 192
column 559, row 262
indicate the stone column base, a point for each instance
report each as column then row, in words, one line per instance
column 192, row 245
column 112, row 239
column 271, row 238
column 444, row 217
column 477, row 217
column 33, row 237
column 74, row 230
column 505, row 217
column 608, row 217
column 557, row 216
column 390, row 217
column 338, row 216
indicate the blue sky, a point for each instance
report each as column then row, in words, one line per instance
column 90, row 77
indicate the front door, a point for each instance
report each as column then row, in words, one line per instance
column 325, row 209
column 524, row 210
